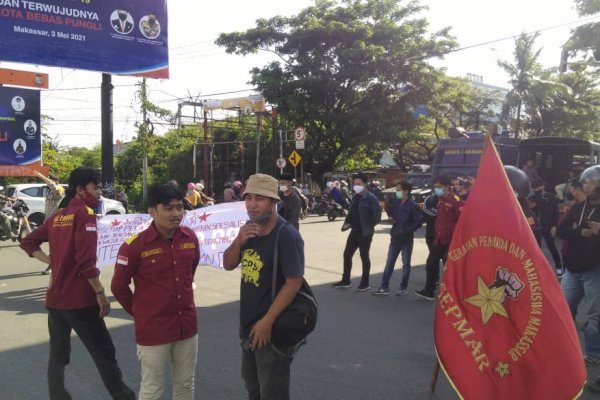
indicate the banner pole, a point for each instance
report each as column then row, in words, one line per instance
column 434, row 375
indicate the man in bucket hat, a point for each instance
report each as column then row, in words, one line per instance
column 265, row 368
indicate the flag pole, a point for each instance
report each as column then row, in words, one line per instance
column 434, row 375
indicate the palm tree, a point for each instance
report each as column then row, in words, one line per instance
column 525, row 81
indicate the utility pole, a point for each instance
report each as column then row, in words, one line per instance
column 207, row 178
column 144, row 137
column 258, row 128
column 106, row 101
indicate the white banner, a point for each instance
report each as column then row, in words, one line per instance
column 216, row 227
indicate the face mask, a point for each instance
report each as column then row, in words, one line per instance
column 439, row 192
column 261, row 219
column 90, row 200
column 358, row 188
column 283, row 188
column 399, row 195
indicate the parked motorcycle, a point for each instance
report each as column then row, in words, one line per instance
column 335, row 210
column 19, row 223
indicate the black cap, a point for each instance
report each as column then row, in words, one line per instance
column 286, row 176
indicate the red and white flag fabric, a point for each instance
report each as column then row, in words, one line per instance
column 502, row 326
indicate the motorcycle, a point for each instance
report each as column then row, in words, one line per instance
column 20, row 225
column 321, row 206
column 335, row 210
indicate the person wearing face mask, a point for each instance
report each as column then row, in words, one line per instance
column 265, row 366
column 290, row 205
column 406, row 216
column 76, row 299
column 122, row 24
column 545, row 207
column 150, row 26
column 448, row 210
column 364, row 214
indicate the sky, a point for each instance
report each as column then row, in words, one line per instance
column 199, row 70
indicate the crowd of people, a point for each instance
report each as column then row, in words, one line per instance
column 162, row 303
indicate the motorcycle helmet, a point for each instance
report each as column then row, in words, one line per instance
column 590, row 178
column 191, row 187
column 518, row 180
column 237, row 184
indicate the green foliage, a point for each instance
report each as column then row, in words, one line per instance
column 350, row 73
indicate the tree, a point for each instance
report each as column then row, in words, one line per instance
column 350, row 73
column 585, row 39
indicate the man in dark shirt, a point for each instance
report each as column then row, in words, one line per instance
column 581, row 280
column 407, row 219
column 265, row 368
column 545, row 207
column 75, row 298
column 448, row 211
column 291, row 205
column 364, row 214
column 161, row 262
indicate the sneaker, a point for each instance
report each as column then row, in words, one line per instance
column 381, row 291
column 401, row 292
column 363, row 287
column 425, row 295
column 47, row 271
column 341, row 285
column 591, row 360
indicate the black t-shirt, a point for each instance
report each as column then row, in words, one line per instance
column 257, row 271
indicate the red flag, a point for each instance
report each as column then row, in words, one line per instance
column 502, row 326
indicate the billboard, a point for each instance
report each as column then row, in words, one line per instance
column 112, row 36
column 20, row 130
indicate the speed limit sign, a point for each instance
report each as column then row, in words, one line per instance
column 299, row 133
column 280, row 163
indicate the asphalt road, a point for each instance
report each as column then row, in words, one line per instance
column 365, row 347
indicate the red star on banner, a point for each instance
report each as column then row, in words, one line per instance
column 204, row 217
column 115, row 223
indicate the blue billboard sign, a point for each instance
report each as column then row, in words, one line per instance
column 20, row 130
column 112, row 36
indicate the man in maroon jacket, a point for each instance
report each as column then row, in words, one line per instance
column 162, row 261
column 75, row 298
column 448, row 211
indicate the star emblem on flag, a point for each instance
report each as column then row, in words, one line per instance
column 503, row 369
column 203, row 217
column 489, row 300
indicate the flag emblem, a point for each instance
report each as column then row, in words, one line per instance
column 122, row 260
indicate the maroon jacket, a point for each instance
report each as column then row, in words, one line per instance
column 71, row 233
column 162, row 271
column 448, row 211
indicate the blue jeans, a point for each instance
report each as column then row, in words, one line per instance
column 266, row 374
column 396, row 247
column 579, row 285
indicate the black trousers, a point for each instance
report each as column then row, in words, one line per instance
column 92, row 331
column 551, row 244
column 437, row 253
column 356, row 240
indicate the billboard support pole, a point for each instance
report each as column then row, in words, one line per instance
column 107, row 134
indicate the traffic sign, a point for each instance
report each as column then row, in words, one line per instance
column 300, row 144
column 299, row 133
column 280, row 163
column 294, row 158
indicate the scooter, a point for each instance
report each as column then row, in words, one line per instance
column 321, row 206
column 20, row 225
column 335, row 210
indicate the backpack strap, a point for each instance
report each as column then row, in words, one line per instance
column 276, row 261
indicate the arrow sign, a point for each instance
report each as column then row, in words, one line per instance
column 294, row 158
